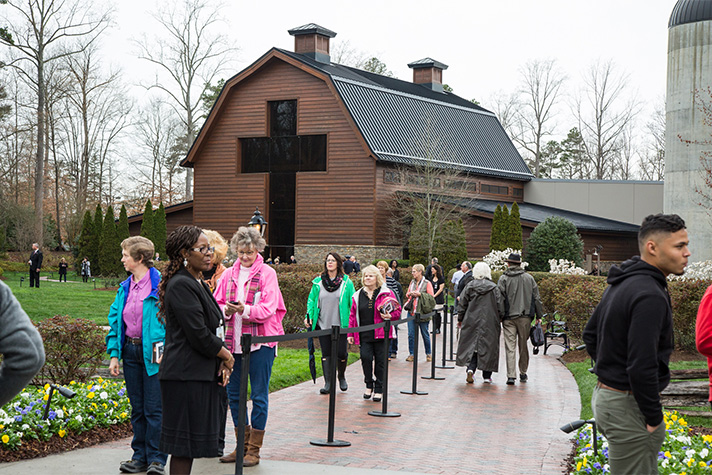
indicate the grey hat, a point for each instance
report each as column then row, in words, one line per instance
column 514, row 259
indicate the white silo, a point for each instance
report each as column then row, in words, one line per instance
column 689, row 70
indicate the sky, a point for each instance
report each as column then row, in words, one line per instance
column 485, row 44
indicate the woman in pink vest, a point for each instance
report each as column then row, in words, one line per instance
column 249, row 295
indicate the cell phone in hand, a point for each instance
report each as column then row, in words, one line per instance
column 235, row 302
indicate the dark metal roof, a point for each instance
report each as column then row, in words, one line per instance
column 690, row 11
column 538, row 213
column 311, row 28
column 407, row 123
column 427, row 63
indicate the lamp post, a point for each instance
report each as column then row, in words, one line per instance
column 66, row 392
column 572, row 426
column 258, row 222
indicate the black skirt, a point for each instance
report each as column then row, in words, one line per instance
column 192, row 415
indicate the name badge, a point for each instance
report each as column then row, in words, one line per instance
column 220, row 332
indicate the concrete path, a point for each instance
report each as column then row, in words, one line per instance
column 457, row 428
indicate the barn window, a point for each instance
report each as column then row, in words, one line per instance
column 494, row 189
column 282, row 118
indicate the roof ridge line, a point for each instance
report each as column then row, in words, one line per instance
column 451, row 163
column 412, row 96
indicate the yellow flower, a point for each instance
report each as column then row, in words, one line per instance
column 123, row 414
column 578, row 467
column 703, row 465
column 72, row 382
column 94, row 405
column 105, row 406
column 5, row 439
column 673, row 417
column 90, row 395
column 62, row 432
column 116, row 403
column 690, row 462
column 707, row 438
column 668, row 454
column 683, row 422
column 2, row 426
column 100, row 380
column 46, row 387
column 585, row 461
column 45, row 397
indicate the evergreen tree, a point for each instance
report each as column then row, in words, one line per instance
column 418, row 242
column 159, row 230
column 452, row 246
column 85, row 238
column 555, row 238
column 97, row 229
column 122, row 228
column 504, row 229
column 110, row 247
column 495, row 231
column 514, row 237
column 147, row 222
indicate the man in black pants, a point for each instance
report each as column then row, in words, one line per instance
column 35, row 263
column 630, row 337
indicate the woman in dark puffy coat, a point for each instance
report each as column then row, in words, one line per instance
column 478, row 319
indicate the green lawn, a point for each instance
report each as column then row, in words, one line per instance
column 587, row 380
column 74, row 298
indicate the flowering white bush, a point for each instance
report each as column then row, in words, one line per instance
column 497, row 260
column 563, row 266
column 701, row 270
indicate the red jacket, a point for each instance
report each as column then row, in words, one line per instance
column 703, row 331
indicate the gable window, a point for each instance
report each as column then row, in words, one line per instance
column 494, row 189
column 518, row 192
column 282, row 118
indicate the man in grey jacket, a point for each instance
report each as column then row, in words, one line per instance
column 520, row 303
column 20, row 345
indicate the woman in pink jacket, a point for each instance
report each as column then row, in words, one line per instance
column 249, row 295
column 373, row 303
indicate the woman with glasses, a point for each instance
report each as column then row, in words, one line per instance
column 249, row 295
column 329, row 304
column 196, row 365
column 418, row 286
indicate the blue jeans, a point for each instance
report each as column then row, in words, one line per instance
column 260, row 372
column 144, row 391
column 394, row 343
column 424, row 332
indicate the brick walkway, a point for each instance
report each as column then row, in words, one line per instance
column 457, row 428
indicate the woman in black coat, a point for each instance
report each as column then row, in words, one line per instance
column 196, row 365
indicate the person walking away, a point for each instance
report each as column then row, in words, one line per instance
column 372, row 304
column 63, row 266
column 21, row 347
column 196, row 364
column 35, row 263
column 397, row 289
column 249, row 295
column 330, row 304
column 703, row 332
column 466, row 269
column 479, row 323
column 520, row 303
column 135, row 335
column 418, row 285
column 630, row 337
column 438, row 282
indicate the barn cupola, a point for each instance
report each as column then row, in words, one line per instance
column 428, row 73
column 312, row 40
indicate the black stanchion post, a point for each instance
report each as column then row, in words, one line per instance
column 246, row 344
column 384, row 402
column 330, row 442
column 444, row 326
column 414, row 389
column 452, row 332
column 433, row 349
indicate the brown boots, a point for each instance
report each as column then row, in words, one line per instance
column 232, row 456
column 252, row 457
column 253, row 444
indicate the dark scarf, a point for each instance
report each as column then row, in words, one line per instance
column 331, row 285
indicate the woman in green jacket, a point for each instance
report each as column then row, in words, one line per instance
column 329, row 304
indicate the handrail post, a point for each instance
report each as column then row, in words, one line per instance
column 246, row 345
column 416, row 341
column 444, row 327
column 384, row 402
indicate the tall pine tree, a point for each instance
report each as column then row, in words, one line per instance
column 122, row 227
column 147, row 222
column 110, row 247
column 496, row 231
column 159, row 230
column 515, row 228
column 504, row 229
column 451, row 247
column 97, row 229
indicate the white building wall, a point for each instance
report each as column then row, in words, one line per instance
column 689, row 69
column 626, row 201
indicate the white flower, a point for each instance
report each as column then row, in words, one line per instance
column 701, row 270
column 19, row 435
column 25, row 426
column 497, row 260
column 25, row 395
column 103, row 395
column 704, row 452
column 564, row 266
column 60, row 413
column 79, row 418
column 690, row 453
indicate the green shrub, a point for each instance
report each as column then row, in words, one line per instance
column 685, row 298
column 555, row 238
column 295, row 282
column 74, row 348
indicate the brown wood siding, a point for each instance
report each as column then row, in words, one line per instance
column 180, row 217
column 331, row 207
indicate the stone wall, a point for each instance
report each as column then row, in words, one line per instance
column 314, row 253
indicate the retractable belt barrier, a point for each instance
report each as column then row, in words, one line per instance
column 247, row 340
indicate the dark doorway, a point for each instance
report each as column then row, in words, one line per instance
column 282, row 194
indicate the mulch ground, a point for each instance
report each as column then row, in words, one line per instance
column 40, row 448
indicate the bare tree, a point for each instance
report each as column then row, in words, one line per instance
column 624, row 160
column 37, row 28
column 652, row 159
column 540, row 87
column 192, row 55
column 505, row 107
column 344, row 53
column 604, row 113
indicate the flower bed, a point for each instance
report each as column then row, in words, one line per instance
column 98, row 404
column 681, row 453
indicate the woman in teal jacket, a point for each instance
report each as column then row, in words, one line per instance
column 136, row 335
column 330, row 304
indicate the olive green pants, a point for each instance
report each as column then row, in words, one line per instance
column 631, row 448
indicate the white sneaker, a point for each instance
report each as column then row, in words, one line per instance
column 470, row 376
column 488, row 380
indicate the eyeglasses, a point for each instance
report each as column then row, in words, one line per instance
column 247, row 253
column 204, row 250
column 331, row 260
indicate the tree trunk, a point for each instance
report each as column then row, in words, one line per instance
column 39, row 158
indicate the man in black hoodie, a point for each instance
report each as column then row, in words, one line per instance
column 630, row 338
